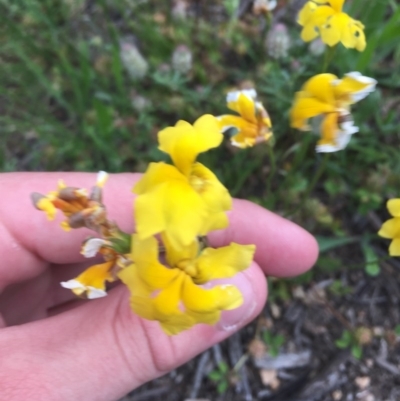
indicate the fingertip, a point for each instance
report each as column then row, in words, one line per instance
column 283, row 248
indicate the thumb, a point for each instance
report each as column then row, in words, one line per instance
column 101, row 350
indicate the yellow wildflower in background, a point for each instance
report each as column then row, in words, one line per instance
column 327, row 96
column 253, row 124
column 187, row 199
column 173, row 295
column 325, row 18
column 391, row 228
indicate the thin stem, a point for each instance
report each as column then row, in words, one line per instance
column 311, row 185
column 272, row 162
column 328, row 57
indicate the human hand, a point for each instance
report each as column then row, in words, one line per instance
column 56, row 347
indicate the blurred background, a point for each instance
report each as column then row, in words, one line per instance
column 85, row 85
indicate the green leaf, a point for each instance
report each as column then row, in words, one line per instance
column 356, row 351
column 345, row 340
column 223, row 367
column 371, row 260
column 222, row 387
column 215, row 375
column 328, row 243
column 397, row 330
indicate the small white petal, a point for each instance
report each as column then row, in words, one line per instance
column 347, row 129
column 73, row 284
column 94, row 293
column 92, row 246
column 234, row 95
column 82, row 192
column 371, row 82
column 272, row 4
column 102, row 177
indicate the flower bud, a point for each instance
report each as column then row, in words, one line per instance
column 134, row 63
column 263, row 6
column 182, row 59
column 278, row 42
column 179, row 10
column 317, row 47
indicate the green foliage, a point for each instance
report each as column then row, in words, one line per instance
column 371, row 259
column 349, row 340
column 220, row 376
column 274, row 342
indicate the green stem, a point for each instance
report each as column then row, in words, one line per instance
column 272, row 162
column 311, row 185
column 328, row 57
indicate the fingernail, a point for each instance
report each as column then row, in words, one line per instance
column 232, row 320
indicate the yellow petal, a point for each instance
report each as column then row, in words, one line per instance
column 321, row 87
column 394, row 248
column 337, row 5
column 222, row 297
column 168, row 300
column 306, row 13
column 223, row 262
column 143, row 307
column 357, row 30
column 46, row 205
column 210, row 189
column 96, row 276
column 309, row 32
column 335, row 29
column 130, row 277
column 184, row 142
column 210, row 318
column 305, row 108
column 244, row 105
column 243, row 141
column 175, row 324
column 353, row 87
column 393, row 206
column 391, row 228
column 157, row 173
column 150, row 270
column 329, row 128
column 228, row 121
column 335, row 138
column 174, row 256
column 173, row 206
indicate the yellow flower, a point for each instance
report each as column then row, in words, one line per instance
column 325, row 18
column 80, row 209
column 253, row 124
column 91, row 283
column 187, row 199
column 330, row 97
column 391, row 228
column 173, row 295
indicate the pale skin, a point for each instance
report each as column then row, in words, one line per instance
column 55, row 347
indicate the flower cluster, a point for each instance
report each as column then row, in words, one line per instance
column 252, row 125
column 330, row 97
column 182, row 203
column 166, row 264
column 326, row 19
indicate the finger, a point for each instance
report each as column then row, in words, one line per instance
column 104, row 342
column 27, row 239
column 31, row 299
column 283, row 248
